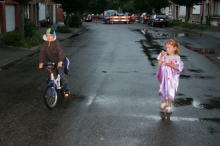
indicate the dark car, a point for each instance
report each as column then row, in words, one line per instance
column 158, row 19
column 87, row 17
column 144, row 17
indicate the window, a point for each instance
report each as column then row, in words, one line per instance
column 170, row 12
column 216, row 12
column 196, row 9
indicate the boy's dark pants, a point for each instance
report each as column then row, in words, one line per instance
column 63, row 78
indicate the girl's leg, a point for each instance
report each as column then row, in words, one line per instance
column 162, row 105
column 163, row 100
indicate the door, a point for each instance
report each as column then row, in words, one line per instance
column 10, row 17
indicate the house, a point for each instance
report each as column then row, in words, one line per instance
column 34, row 10
column 206, row 12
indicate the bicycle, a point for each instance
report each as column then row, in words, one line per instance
column 54, row 86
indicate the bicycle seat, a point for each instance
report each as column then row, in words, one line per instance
column 50, row 65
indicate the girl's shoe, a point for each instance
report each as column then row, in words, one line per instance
column 162, row 105
column 169, row 110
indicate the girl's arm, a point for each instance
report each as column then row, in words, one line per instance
column 160, row 60
column 172, row 66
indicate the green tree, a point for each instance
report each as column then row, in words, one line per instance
column 113, row 4
column 22, row 4
column 189, row 4
column 157, row 5
column 97, row 6
column 72, row 6
column 141, row 6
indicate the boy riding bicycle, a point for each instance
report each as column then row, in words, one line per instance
column 51, row 51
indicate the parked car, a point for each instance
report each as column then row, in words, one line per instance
column 132, row 16
column 87, row 17
column 144, row 17
column 136, row 17
column 101, row 16
column 158, row 19
column 107, row 14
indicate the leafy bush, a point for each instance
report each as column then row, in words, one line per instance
column 28, row 31
column 63, row 29
column 176, row 22
column 74, row 21
column 33, row 41
column 11, row 37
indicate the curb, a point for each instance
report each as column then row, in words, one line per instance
column 198, row 31
column 36, row 49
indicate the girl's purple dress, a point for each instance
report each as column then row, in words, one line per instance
column 169, row 77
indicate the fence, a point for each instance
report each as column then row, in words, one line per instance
column 119, row 19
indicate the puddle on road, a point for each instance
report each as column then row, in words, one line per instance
column 185, row 35
column 171, row 36
column 213, row 130
column 150, row 48
column 183, row 101
column 213, row 103
column 184, row 76
column 217, row 120
column 196, row 70
column 205, row 77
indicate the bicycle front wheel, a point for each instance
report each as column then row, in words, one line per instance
column 50, row 97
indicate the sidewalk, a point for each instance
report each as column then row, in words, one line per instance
column 213, row 31
column 9, row 54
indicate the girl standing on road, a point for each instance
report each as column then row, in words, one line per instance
column 170, row 66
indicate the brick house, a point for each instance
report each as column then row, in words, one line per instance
column 34, row 10
column 206, row 12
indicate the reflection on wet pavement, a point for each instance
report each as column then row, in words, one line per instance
column 165, row 116
column 185, row 35
column 150, row 48
column 185, row 76
column 213, row 103
column 213, row 130
column 217, row 120
column 196, row 70
column 182, row 102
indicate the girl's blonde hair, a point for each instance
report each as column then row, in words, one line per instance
column 175, row 44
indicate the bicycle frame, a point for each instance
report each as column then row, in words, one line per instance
column 55, row 82
column 53, row 86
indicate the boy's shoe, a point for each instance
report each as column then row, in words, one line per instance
column 66, row 93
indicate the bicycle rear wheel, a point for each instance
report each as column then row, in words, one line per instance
column 50, row 97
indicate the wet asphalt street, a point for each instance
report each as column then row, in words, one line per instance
column 114, row 99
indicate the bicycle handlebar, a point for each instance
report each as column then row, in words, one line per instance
column 50, row 65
